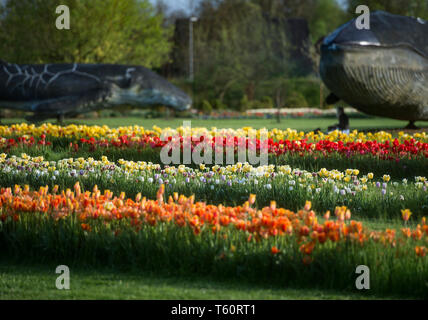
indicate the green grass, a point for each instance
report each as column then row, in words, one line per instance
column 20, row 281
column 298, row 124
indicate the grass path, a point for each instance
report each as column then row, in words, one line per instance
column 18, row 281
column 298, row 124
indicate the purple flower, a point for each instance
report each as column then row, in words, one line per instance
column 229, row 183
column 342, row 192
column 187, row 180
column 384, row 185
column 383, row 192
column 378, row 184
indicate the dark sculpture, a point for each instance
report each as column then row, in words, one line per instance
column 66, row 90
column 343, row 124
column 382, row 71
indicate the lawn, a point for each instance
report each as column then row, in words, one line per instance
column 298, row 124
column 21, row 281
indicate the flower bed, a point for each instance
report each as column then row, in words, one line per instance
column 228, row 184
column 104, row 197
column 73, row 224
column 104, row 132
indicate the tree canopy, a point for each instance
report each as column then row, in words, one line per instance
column 101, row 31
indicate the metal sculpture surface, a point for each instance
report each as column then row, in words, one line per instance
column 382, row 71
column 66, row 90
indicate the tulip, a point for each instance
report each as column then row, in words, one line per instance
column 274, row 250
column 406, row 213
column 252, row 199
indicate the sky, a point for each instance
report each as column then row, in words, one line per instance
column 178, row 4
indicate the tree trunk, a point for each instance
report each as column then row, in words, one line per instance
column 278, row 105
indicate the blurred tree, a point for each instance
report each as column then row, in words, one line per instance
column 287, row 8
column 326, row 17
column 323, row 16
column 416, row 8
column 102, row 31
column 236, row 47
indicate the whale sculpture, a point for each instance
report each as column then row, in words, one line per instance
column 382, row 71
column 66, row 90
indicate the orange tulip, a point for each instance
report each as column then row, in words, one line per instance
column 307, row 260
column 327, row 215
column 86, row 227
column 421, row 251
column 275, row 250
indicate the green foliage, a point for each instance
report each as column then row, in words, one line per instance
column 296, row 100
column 326, row 17
column 267, row 102
column 219, row 105
column 206, row 107
column 323, row 16
column 101, row 31
column 244, row 103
